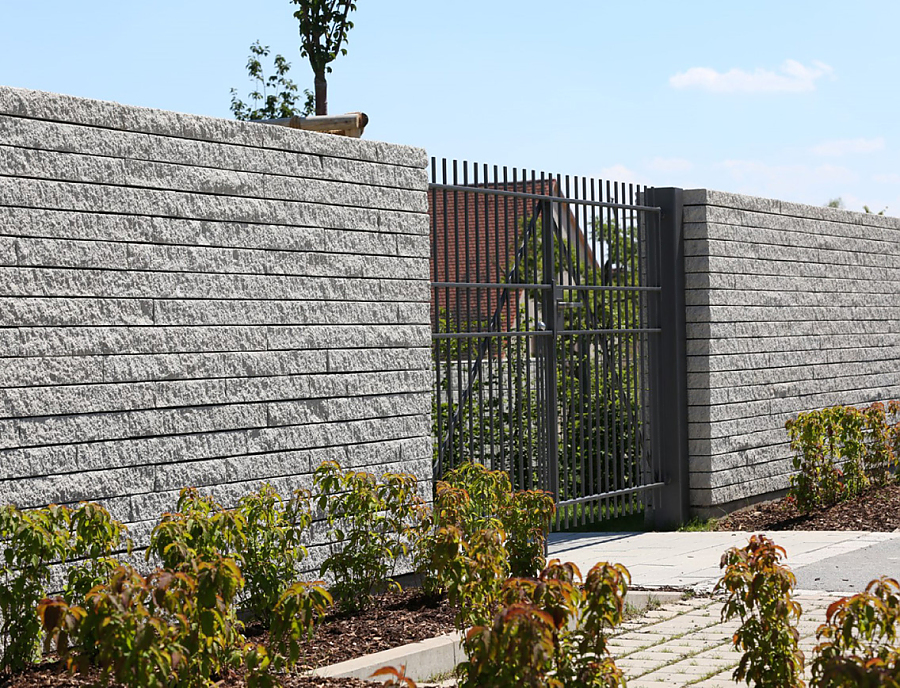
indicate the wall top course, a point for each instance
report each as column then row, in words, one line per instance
column 708, row 197
column 20, row 102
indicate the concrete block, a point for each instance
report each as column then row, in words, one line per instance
column 40, row 312
column 57, row 136
column 8, row 255
column 51, row 106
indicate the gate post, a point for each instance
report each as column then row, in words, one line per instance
column 548, row 268
column 668, row 365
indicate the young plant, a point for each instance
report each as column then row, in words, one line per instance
column 274, row 96
column 271, row 547
column 95, row 538
column 370, row 523
column 859, row 643
column 473, row 570
column 32, row 540
column 759, row 590
column 550, row 631
column 817, row 481
column 323, row 33
column 294, row 618
column 199, row 529
column 526, row 520
column 840, row 451
column 394, row 677
column 472, row 498
column 882, row 442
column 170, row 629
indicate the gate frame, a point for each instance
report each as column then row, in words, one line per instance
column 668, row 361
column 666, row 479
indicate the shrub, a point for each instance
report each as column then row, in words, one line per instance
column 200, row 529
column 473, row 570
column 270, row 549
column 526, row 520
column 472, row 498
column 882, row 441
column 551, row 631
column 759, row 591
column 370, row 524
column 95, row 538
column 839, row 451
column 858, row 643
column 33, row 540
column 168, row 629
column 294, row 617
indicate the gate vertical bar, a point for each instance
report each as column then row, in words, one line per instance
column 668, row 365
column 550, row 322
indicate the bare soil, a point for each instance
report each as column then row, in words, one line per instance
column 876, row 510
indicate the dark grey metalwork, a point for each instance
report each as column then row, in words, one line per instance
column 547, row 313
column 669, row 360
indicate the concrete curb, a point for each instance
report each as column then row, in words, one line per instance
column 439, row 656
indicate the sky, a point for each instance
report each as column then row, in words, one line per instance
column 796, row 100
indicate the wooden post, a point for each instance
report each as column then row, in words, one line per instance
column 351, row 124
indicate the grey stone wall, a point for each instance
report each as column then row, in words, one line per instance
column 789, row 308
column 196, row 301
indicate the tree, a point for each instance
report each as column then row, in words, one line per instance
column 323, row 30
column 281, row 102
column 839, row 203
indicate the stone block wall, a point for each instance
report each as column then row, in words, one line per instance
column 789, row 308
column 196, row 301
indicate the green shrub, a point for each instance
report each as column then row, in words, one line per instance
column 32, row 541
column 472, row 499
column 95, row 538
column 839, row 451
column 472, row 569
column 370, row 524
column 173, row 629
column 859, row 643
column 550, row 632
column 526, row 519
column 270, row 550
column 759, row 590
column 199, row 529
column 294, row 617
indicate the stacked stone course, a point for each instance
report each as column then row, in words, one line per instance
column 789, row 308
column 194, row 301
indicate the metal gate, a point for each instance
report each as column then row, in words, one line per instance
column 548, row 320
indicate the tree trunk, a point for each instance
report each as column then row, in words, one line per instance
column 321, row 95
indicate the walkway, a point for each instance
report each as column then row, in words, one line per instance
column 685, row 643
column 841, row 561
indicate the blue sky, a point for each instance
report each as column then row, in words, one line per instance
column 794, row 100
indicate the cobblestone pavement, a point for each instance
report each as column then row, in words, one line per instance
column 685, row 643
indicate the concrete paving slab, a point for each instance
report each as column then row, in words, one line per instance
column 691, row 560
column 704, row 656
column 852, row 571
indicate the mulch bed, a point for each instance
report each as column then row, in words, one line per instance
column 876, row 510
column 52, row 675
column 394, row 619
